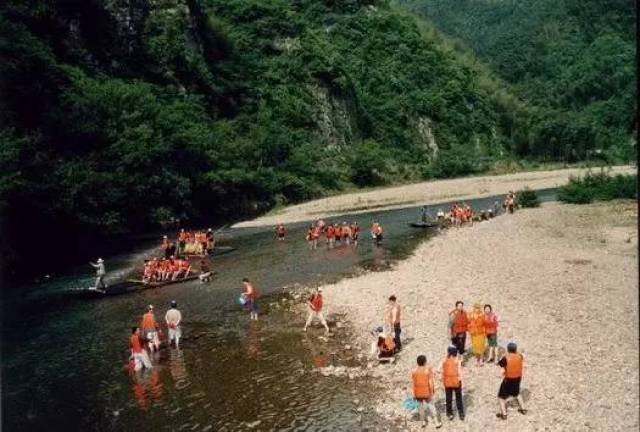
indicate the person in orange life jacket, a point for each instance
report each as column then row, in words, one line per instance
column 451, row 370
column 330, row 232
column 513, row 364
column 205, row 272
column 386, row 346
column 491, row 329
column 346, row 233
column 392, row 320
column 337, row 232
column 251, row 295
column 312, row 236
column 139, row 355
column 355, row 232
column 424, row 390
column 150, row 329
column 281, row 231
column 458, row 323
column 315, row 310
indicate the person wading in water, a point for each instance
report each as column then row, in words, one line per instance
column 315, row 310
column 251, row 295
column 173, row 318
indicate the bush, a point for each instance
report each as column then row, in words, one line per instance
column 599, row 187
column 528, row 198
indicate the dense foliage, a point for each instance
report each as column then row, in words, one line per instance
column 573, row 60
column 527, row 198
column 122, row 117
column 599, row 187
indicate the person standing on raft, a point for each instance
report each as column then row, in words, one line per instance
column 424, row 390
column 451, row 370
column 392, row 320
column 458, row 324
column 315, row 310
column 251, row 295
column 477, row 333
column 513, row 364
column 100, row 274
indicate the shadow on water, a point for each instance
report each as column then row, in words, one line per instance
column 64, row 359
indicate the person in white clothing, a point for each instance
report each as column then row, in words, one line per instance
column 173, row 318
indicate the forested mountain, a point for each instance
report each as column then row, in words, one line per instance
column 572, row 59
column 121, row 116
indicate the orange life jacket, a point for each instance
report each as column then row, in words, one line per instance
column 460, row 322
column 421, row 378
column 450, row 377
column 490, row 324
column 338, row 232
column 330, row 232
column 148, row 322
column 514, row 365
column 316, row 302
column 134, row 343
column 476, row 324
column 389, row 343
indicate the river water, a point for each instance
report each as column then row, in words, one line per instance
column 63, row 359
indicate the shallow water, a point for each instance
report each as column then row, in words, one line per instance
column 63, row 358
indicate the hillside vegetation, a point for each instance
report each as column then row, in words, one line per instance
column 573, row 60
column 125, row 116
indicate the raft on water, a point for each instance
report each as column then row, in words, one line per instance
column 423, row 224
column 128, row 286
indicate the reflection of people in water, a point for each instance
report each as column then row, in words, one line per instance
column 147, row 388
column 253, row 343
column 176, row 365
column 319, row 360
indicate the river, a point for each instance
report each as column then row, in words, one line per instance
column 63, row 359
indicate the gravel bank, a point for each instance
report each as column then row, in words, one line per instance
column 564, row 281
column 421, row 193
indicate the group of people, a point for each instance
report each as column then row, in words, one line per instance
column 164, row 269
column 199, row 243
column 481, row 323
column 145, row 338
column 336, row 234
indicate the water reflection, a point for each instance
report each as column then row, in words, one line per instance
column 147, row 387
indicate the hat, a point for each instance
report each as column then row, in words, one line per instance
column 100, row 260
column 452, row 350
column 150, row 307
column 174, row 303
column 379, row 329
column 319, row 289
column 209, row 229
column 477, row 306
column 512, row 347
column 164, row 236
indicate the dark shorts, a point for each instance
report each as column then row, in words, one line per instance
column 510, row 387
column 251, row 306
column 492, row 340
column 379, row 237
column 355, row 236
column 280, row 235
